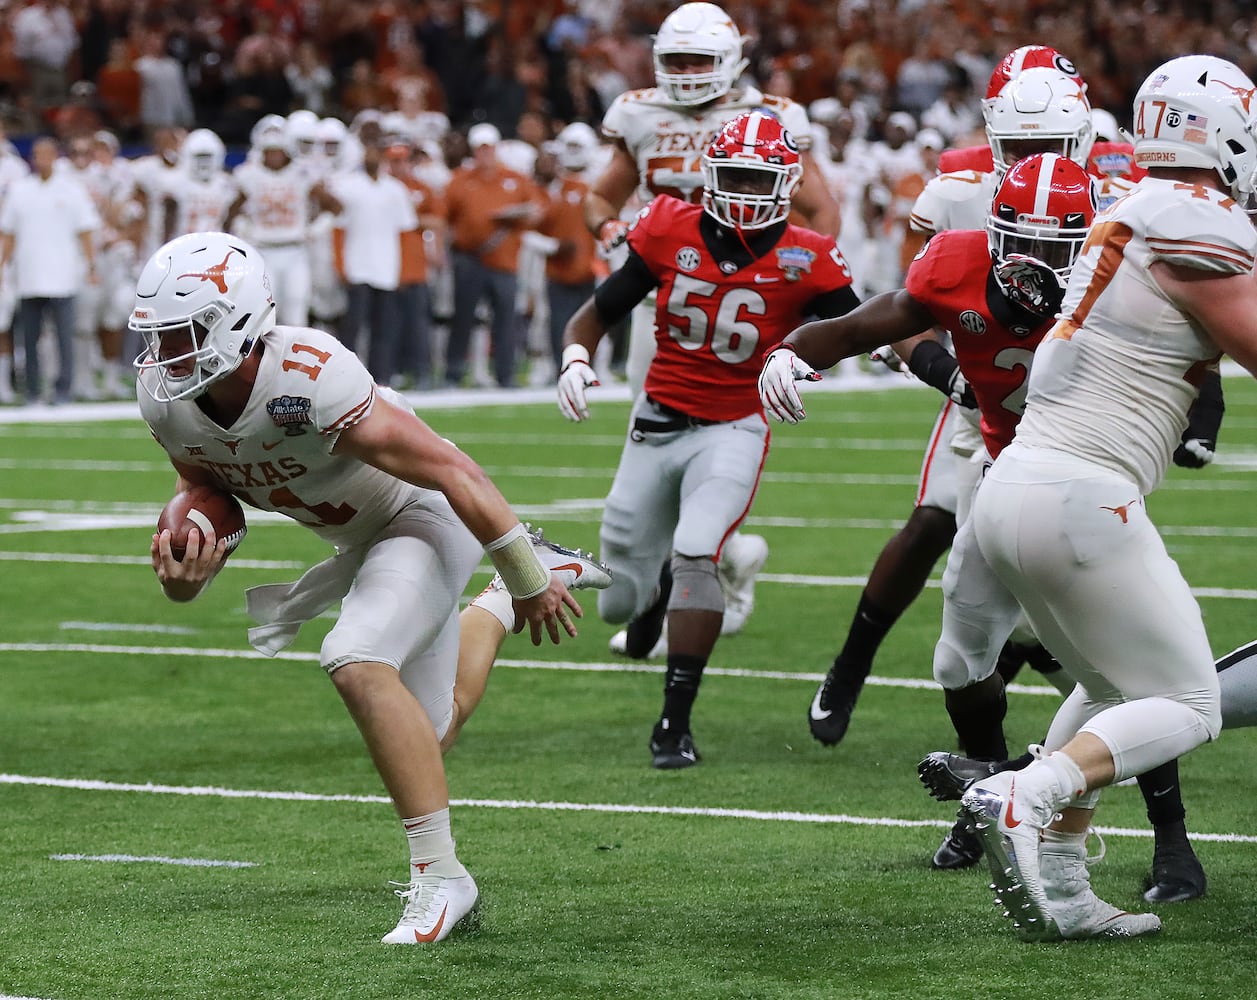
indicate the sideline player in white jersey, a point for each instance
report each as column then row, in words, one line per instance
column 1163, row 288
column 200, row 196
column 153, row 175
column 278, row 199
column 289, row 420
column 659, row 136
column 101, row 307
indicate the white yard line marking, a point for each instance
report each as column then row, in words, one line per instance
column 764, row 815
column 154, row 859
column 632, row 667
column 125, row 627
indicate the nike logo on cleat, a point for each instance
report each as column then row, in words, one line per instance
column 436, row 928
column 816, row 712
column 577, row 568
column 1009, row 822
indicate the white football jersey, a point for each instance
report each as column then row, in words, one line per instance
column 153, row 177
column 201, row 206
column 957, row 200
column 277, row 202
column 278, row 455
column 667, row 142
column 1113, row 381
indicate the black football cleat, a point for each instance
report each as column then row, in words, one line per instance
column 672, row 751
column 829, row 715
column 961, row 848
column 947, row 776
column 1177, row 874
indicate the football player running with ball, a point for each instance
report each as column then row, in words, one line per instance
column 287, row 419
column 731, row 277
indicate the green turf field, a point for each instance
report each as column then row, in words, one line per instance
column 133, row 727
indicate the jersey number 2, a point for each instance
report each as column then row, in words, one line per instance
column 733, row 338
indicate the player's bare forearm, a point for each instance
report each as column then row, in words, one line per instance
column 609, row 193
column 883, row 319
column 585, row 328
column 398, row 442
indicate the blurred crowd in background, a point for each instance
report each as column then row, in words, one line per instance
column 119, row 84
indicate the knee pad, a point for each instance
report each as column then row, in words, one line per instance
column 950, row 669
column 695, row 585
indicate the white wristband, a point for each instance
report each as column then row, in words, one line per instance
column 515, row 560
column 574, row 352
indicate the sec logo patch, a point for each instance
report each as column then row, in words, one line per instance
column 687, row 259
column 972, row 322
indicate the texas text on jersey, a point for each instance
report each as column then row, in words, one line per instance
column 667, row 142
column 278, row 455
column 725, row 300
column 993, row 337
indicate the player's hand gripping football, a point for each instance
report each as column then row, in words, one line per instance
column 182, row 580
column 777, row 391
column 553, row 608
column 574, row 379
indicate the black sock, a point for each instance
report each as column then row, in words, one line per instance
column 1017, row 763
column 1012, row 657
column 977, row 714
column 1041, row 660
column 680, row 688
column 1162, row 794
column 868, row 628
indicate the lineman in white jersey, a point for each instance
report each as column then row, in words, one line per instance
column 659, row 136
column 1164, row 286
column 289, row 420
column 278, row 198
column 203, row 192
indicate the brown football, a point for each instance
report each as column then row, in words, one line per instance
column 204, row 508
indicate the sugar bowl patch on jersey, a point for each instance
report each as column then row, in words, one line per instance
column 795, row 262
column 291, row 414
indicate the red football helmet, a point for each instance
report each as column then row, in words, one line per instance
column 1038, row 223
column 1029, row 57
column 750, row 172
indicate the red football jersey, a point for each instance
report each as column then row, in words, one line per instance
column 949, row 278
column 716, row 321
column 1107, row 159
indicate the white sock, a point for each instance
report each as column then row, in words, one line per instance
column 431, row 845
column 497, row 601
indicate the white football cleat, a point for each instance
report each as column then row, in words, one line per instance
column 434, row 905
column 1075, row 908
column 575, row 569
column 1009, row 819
column 741, row 559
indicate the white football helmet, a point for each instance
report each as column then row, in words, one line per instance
column 575, row 146
column 331, row 135
column 265, row 125
column 210, row 294
column 1040, row 111
column 1198, row 111
column 202, row 154
column 698, row 29
column 303, row 127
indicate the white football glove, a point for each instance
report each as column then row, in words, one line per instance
column 1194, row 453
column 887, row 356
column 782, row 368
column 574, row 379
column 960, row 392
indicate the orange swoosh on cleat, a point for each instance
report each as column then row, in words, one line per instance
column 576, row 567
column 431, row 935
column 1009, row 822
